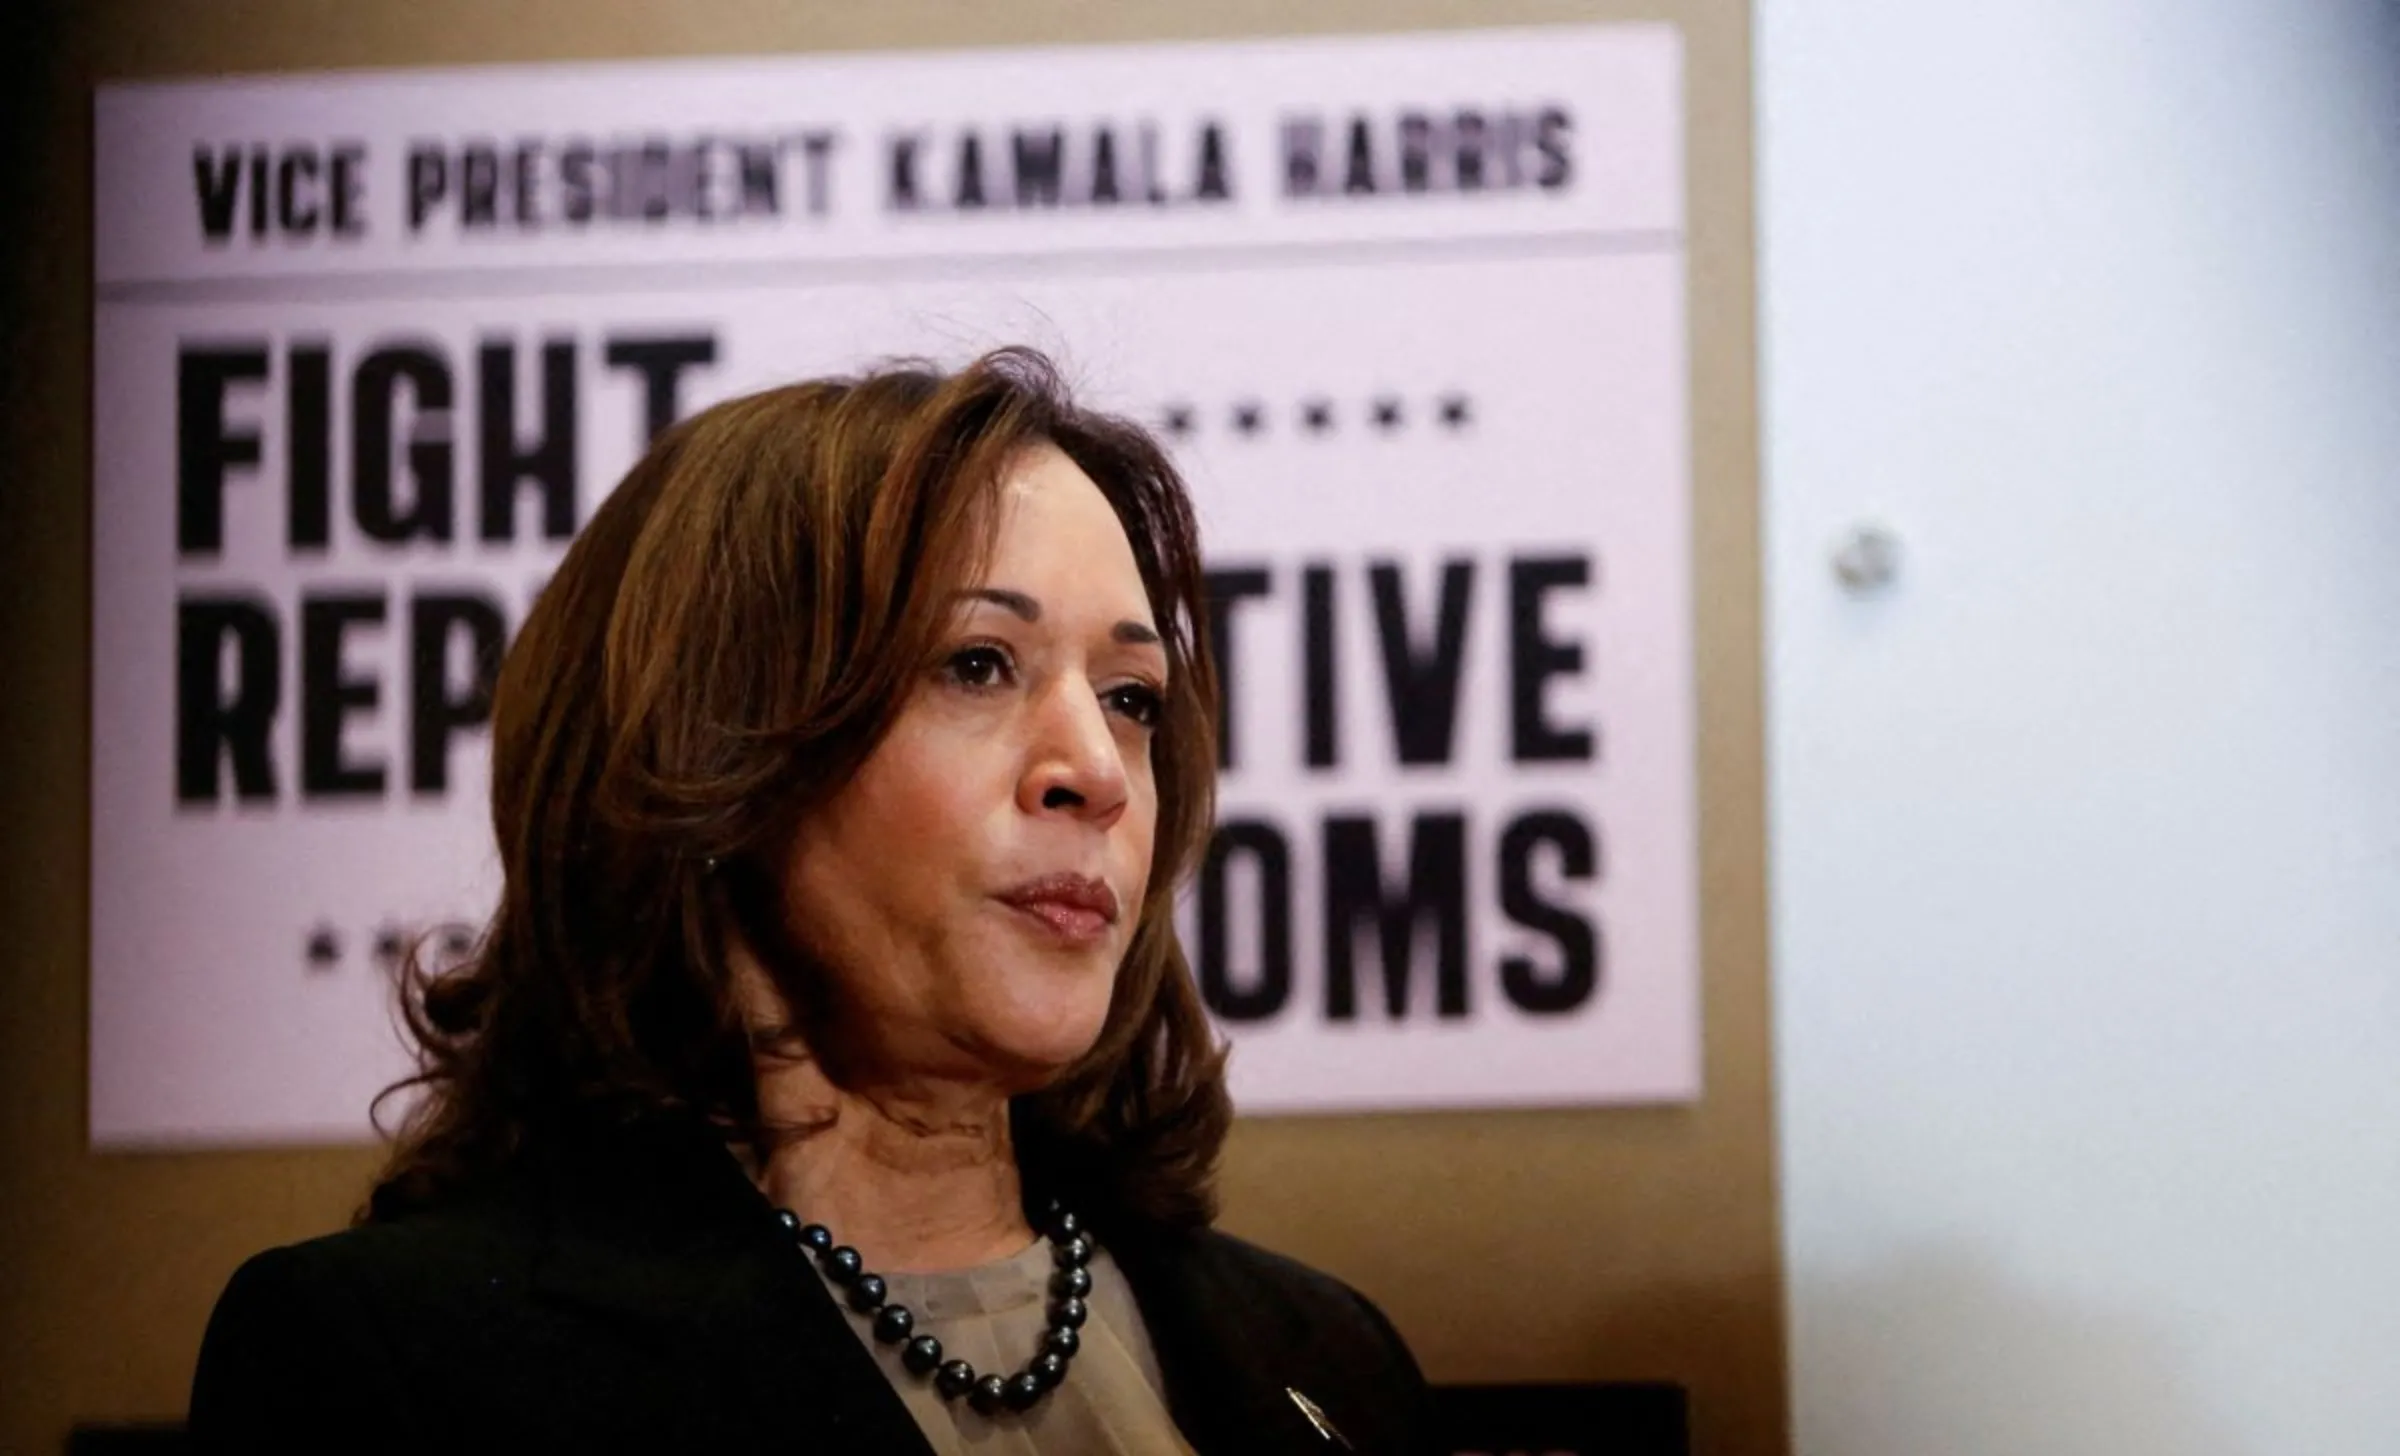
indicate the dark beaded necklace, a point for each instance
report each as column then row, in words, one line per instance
column 1070, row 1248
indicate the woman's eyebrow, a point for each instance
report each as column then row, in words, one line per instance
column 1019, row 604
column 1016, row 603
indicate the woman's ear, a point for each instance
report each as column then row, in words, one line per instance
column 786, row 1001
column 746, row 909
column 765, row 1011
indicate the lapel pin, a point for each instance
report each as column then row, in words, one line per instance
column 1316, row 1418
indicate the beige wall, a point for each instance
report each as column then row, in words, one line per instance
column 1570, row 1245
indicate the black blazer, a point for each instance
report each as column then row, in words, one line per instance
column 631, row 1291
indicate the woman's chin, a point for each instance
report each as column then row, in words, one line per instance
column 1028, row 1053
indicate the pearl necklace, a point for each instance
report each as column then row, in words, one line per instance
column 1070, row 1247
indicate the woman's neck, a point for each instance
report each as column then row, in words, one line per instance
column 916, row 1178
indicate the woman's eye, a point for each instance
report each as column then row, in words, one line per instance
column 978, row 667
column 1139, row 702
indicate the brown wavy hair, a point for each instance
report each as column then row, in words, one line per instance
column 724, row 643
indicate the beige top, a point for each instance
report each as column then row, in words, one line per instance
column 993, row 1317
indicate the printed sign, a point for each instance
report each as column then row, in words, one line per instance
column 1409, row 310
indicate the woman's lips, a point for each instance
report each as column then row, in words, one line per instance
column 1075, row 908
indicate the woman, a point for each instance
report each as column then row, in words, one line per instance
column 830, row 1078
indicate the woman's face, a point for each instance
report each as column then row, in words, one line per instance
column 973, row 888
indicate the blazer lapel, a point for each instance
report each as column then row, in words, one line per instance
column 656, row 1224
column 1229, row 1383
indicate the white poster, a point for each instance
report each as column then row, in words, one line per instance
column 1410, row 311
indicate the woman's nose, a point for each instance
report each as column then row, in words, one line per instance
column 1076, row 766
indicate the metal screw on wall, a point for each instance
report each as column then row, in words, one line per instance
column 1867, row 561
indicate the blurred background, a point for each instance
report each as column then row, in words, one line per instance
column 2045, row 458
